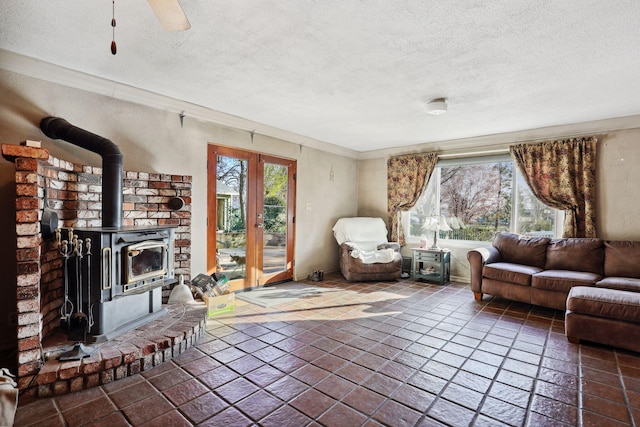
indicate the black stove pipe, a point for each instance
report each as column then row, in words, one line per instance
column 57, row 128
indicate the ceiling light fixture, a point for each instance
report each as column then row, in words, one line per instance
column 437, row 107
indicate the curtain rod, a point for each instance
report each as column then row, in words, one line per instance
column 505, row 146
column 474, row 153
column 506, row 150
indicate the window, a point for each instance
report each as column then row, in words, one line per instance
column 472, row 199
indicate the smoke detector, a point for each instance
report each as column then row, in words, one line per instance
column 437, row 107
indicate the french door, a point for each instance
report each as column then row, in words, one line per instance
column 250, row 225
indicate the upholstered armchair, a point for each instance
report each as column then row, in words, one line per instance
column 365, row 253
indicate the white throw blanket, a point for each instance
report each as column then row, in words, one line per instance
column 367, row 233
column 364, row 235
column 371, row 257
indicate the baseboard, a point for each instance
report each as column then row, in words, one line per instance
column 460, row 279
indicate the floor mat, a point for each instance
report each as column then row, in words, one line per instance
column 281, row 293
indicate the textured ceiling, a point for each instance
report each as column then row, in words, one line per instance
column 357, row 73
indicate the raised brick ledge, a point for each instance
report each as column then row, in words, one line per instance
column 138, row 350
column 12, row 152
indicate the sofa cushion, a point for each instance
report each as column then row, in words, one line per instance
column 576, row 254
column 620, row 283
column 510, row 273
column 563, row 280
column 621, row 259
column 522, row 250
column 607, row 303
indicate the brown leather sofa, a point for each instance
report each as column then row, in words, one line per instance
column 601, row 278
column 542, row 271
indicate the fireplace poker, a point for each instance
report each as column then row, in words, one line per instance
column 63, row 247
column 90, row 322
column 78, row 250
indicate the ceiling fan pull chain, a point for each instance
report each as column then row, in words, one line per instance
column 114, row 49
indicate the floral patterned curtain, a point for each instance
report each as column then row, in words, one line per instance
column 407, row 177
column 562, row 174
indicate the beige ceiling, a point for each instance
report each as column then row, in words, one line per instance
column 357, row 73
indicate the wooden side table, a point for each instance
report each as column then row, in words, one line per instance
column 433, row 265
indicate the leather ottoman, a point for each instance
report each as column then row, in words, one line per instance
column 605, row 316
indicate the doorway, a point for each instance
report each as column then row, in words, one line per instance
column 251, row 222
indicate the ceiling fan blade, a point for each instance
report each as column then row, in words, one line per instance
column 170, row 15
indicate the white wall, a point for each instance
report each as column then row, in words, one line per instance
column 617, row 191
column 323, row 202
column 618, row 198
column 372, row 188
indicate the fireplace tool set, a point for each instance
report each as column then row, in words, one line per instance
column 79, row 322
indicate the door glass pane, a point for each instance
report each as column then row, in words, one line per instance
column 275, row 218
column 231, row 226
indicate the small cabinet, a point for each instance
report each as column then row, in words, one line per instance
column 433, row 265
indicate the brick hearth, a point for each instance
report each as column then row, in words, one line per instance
column 131, row 353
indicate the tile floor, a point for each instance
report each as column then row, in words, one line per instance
column 394, row 354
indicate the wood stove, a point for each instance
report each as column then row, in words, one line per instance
column 114, row 273
column 114, row 278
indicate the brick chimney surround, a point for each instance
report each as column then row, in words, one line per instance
column 74, row 193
